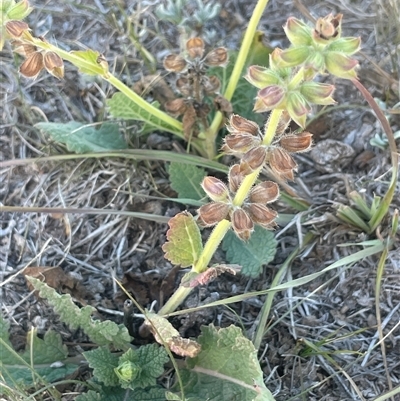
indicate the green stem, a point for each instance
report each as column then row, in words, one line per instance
column 201, row 265
column 250, row 179
column 237, row 71
column 92, row 67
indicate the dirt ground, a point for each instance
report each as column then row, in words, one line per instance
column 336, row 311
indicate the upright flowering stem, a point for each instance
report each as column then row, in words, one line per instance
column 223, row 226
column 212, row 132
column 249, row 181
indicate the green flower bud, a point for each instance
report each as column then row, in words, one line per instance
column 127, row 371
column 340, row 65
column 347, row 46
column 317, row 93
column 19, row 11
column 294, row 56
column 6, row 4
column 298, row 108
column 298, row 33
column 261, row 77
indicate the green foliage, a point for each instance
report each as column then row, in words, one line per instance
column 184, row 244
column 135, row 369
column 185, row 180
column 35, row 363
column 80, row 138
column 243, row 98
column 101, row 333
column 119, row 394
column 123, row 107
column 251, row 255
column 90, row 62
column 227, row 368
column 175, row 12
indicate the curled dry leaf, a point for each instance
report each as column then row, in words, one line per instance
column 165, row 333
column 194, row 280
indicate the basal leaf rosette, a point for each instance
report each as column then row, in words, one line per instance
column 282, row 91
column 320, row 49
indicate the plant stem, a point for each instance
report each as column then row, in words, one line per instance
column 212, row 132
column 201, row 265
column 250, row 179
column 223, row 226
column 171, row 124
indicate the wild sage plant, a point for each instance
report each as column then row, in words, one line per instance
column 288, row 90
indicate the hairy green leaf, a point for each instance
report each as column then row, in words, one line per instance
column 184, row 244
column 119, row 394
column 101, row 333
column 227, row 368
column 151, row 359
column 251, row 255
column 103, row 363
column 35, row 362
column 81, row 138
column 185, row 180
column 89, row 62
column 48, row 350
column 123, row 107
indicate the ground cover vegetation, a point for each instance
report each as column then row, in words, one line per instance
column 238, row 126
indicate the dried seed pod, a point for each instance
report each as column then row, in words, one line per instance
column 32, row 66
column 215, row 189
column 241, row 124
column 296, row 143
column 255, row 157
column 16, row 28
column 183, row 86
column 195, row 47
column 175, row 107
column 54, row 64
column 266, row 192
column 212, row 213
column 241, row 142
column 235, row 177
column 261, row 214
column 202, row 109
column 216, row 57
column 188, row 121
column 211, row 84
column 245, row 169
column 24, row 49
column 283, row 124
column 242, row 224
column 174, row 63
column 282, row 163
column 222, row 104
